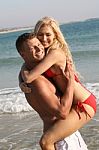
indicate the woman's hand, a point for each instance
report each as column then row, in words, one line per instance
column 69, row 72
column 23, row 86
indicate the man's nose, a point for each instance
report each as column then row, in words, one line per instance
column 37, row 48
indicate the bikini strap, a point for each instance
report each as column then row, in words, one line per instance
column 80, row 108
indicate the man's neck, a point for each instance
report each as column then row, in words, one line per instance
column 30, row 65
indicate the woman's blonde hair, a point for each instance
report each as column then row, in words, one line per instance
column 59, row 41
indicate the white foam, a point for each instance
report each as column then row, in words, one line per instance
column 94, row 88
column 12, row 100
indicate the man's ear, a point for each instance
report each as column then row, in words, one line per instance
column 22, row 54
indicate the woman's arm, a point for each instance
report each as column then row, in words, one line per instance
column 65, row 84
column 67, row 98
column 52, row 57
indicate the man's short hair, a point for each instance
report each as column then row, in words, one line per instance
column 21, row 39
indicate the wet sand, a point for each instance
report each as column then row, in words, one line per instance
column 90, row 133
column 22, row 131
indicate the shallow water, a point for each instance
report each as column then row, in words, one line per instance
column 22, row 131
column 90, row 133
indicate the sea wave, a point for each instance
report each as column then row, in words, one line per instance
column 18, row 59
column 10, row 61
column 12, row 100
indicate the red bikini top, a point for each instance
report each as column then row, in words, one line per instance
column 48, row 73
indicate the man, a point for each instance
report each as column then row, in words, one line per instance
column 43, row 97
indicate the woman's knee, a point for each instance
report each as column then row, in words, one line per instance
column 46, row 142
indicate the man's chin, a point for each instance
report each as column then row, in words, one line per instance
column 38, row 59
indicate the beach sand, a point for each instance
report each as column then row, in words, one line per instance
column 90, row 132
column 22, row 131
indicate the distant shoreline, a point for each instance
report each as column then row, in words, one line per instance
column 3, row 31
column 15, row 29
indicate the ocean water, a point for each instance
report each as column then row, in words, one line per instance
column 83, row 39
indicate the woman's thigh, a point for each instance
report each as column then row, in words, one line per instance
column 64, row 128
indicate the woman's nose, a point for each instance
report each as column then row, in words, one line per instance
column 44, row 38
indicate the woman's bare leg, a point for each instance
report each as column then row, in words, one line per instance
column 63, row 128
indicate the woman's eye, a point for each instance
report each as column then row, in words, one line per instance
column 48, row 34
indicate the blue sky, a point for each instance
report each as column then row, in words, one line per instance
column 19, row 13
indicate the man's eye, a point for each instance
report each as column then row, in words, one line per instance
column 40, row 34
column 38, row 44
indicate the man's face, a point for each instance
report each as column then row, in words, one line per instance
column 33, row 50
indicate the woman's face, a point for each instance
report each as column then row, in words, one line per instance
column 46, row 36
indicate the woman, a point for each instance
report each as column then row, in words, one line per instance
column 49, row 34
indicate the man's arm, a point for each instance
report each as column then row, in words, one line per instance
column 44, row 93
